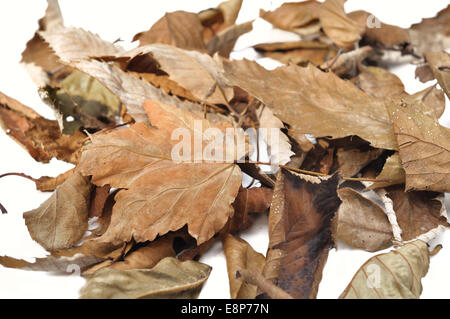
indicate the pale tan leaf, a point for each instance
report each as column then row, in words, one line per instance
column 224, row 42
column 169, row 279
column 335, row 23
column 393, row 275
column 315, row 102
column 75, row 44
column 440, row 65
column 61, row 221
column 240, row 255
column 180, row 28
column 351, row 161
column 391, row 174
column 362, row 223
column 424, row 147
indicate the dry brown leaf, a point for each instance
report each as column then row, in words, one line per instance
column 220, row 18
column 362, row 223
column 224, row 42
column 240, row 255
column 300, row 232
column 351, row 161
column 196, row 72
column 417, row 211
column 169, row 279
column 393, row 275
column 380, row 83
column 180, row 28
column 392, row 173
column 424, row 73
column 61, row 221
column 424, row 147
column 41, row 138
column 148, row 208
column 293, row 15
column 326, row 104
column 337, row 25
column 440, row 65
column 38, row 58
column 75, row 44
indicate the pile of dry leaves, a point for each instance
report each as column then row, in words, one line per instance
column 154, row 218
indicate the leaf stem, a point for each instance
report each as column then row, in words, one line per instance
column 254, row 278
column 20, row 175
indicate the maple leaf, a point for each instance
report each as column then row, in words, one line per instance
column 138, row 159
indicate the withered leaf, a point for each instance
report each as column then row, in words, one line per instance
column 424, row 147
column 300, row 232
column 224, row 42
column 180, row 28
column 393, row 275
column 142, row 159
column 61, row 221
column 293, row 15
column 169, row 279
column 380, row 83
column 440, row 65
column 362, row 223
column 337, row 25
column 197, row 72
column 417, row 211
column 326, row 104
column 41, row 138
column 75, row 44
column 352, row 160
column 391, row 174
column 240, row 255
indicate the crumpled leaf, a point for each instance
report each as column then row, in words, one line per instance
column 380, row 83
column 39, row 59
column 169, row 279
column 440, row 65
column 417, row 211
column 300, row 232
column 217, row 19
column 148, row 208
column 61, row 221
column 224, row 42
column 82, row 102
column 298, row 52
column 180, row 28
column 326, row 104
column 75, row 44
column 393, row 275
column 240, row 255
column 424, row 147
column 337, row 25
column 198, row 73
column 352, row 160
column 391, row 174
column 362, row 223
column 293, row 15
column 40, row 137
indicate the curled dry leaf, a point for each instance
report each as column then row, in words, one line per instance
column 362, row 223
column 180, row 29
column 417, row 211
column 326, row 104
column 196, row 72
column 392, row 173
column 169, row 279
column 148, row 208
column 300, row 232
column 240, row 255
column 424, row 147
column 351, row 161
column 224, row 42
column 61, row 221
column 293, row 15
column 337, row 25
column 41, row 138
column 39, row 59
column 440, row 65
column 394, row 275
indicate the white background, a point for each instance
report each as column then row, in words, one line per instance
column 113, row 19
